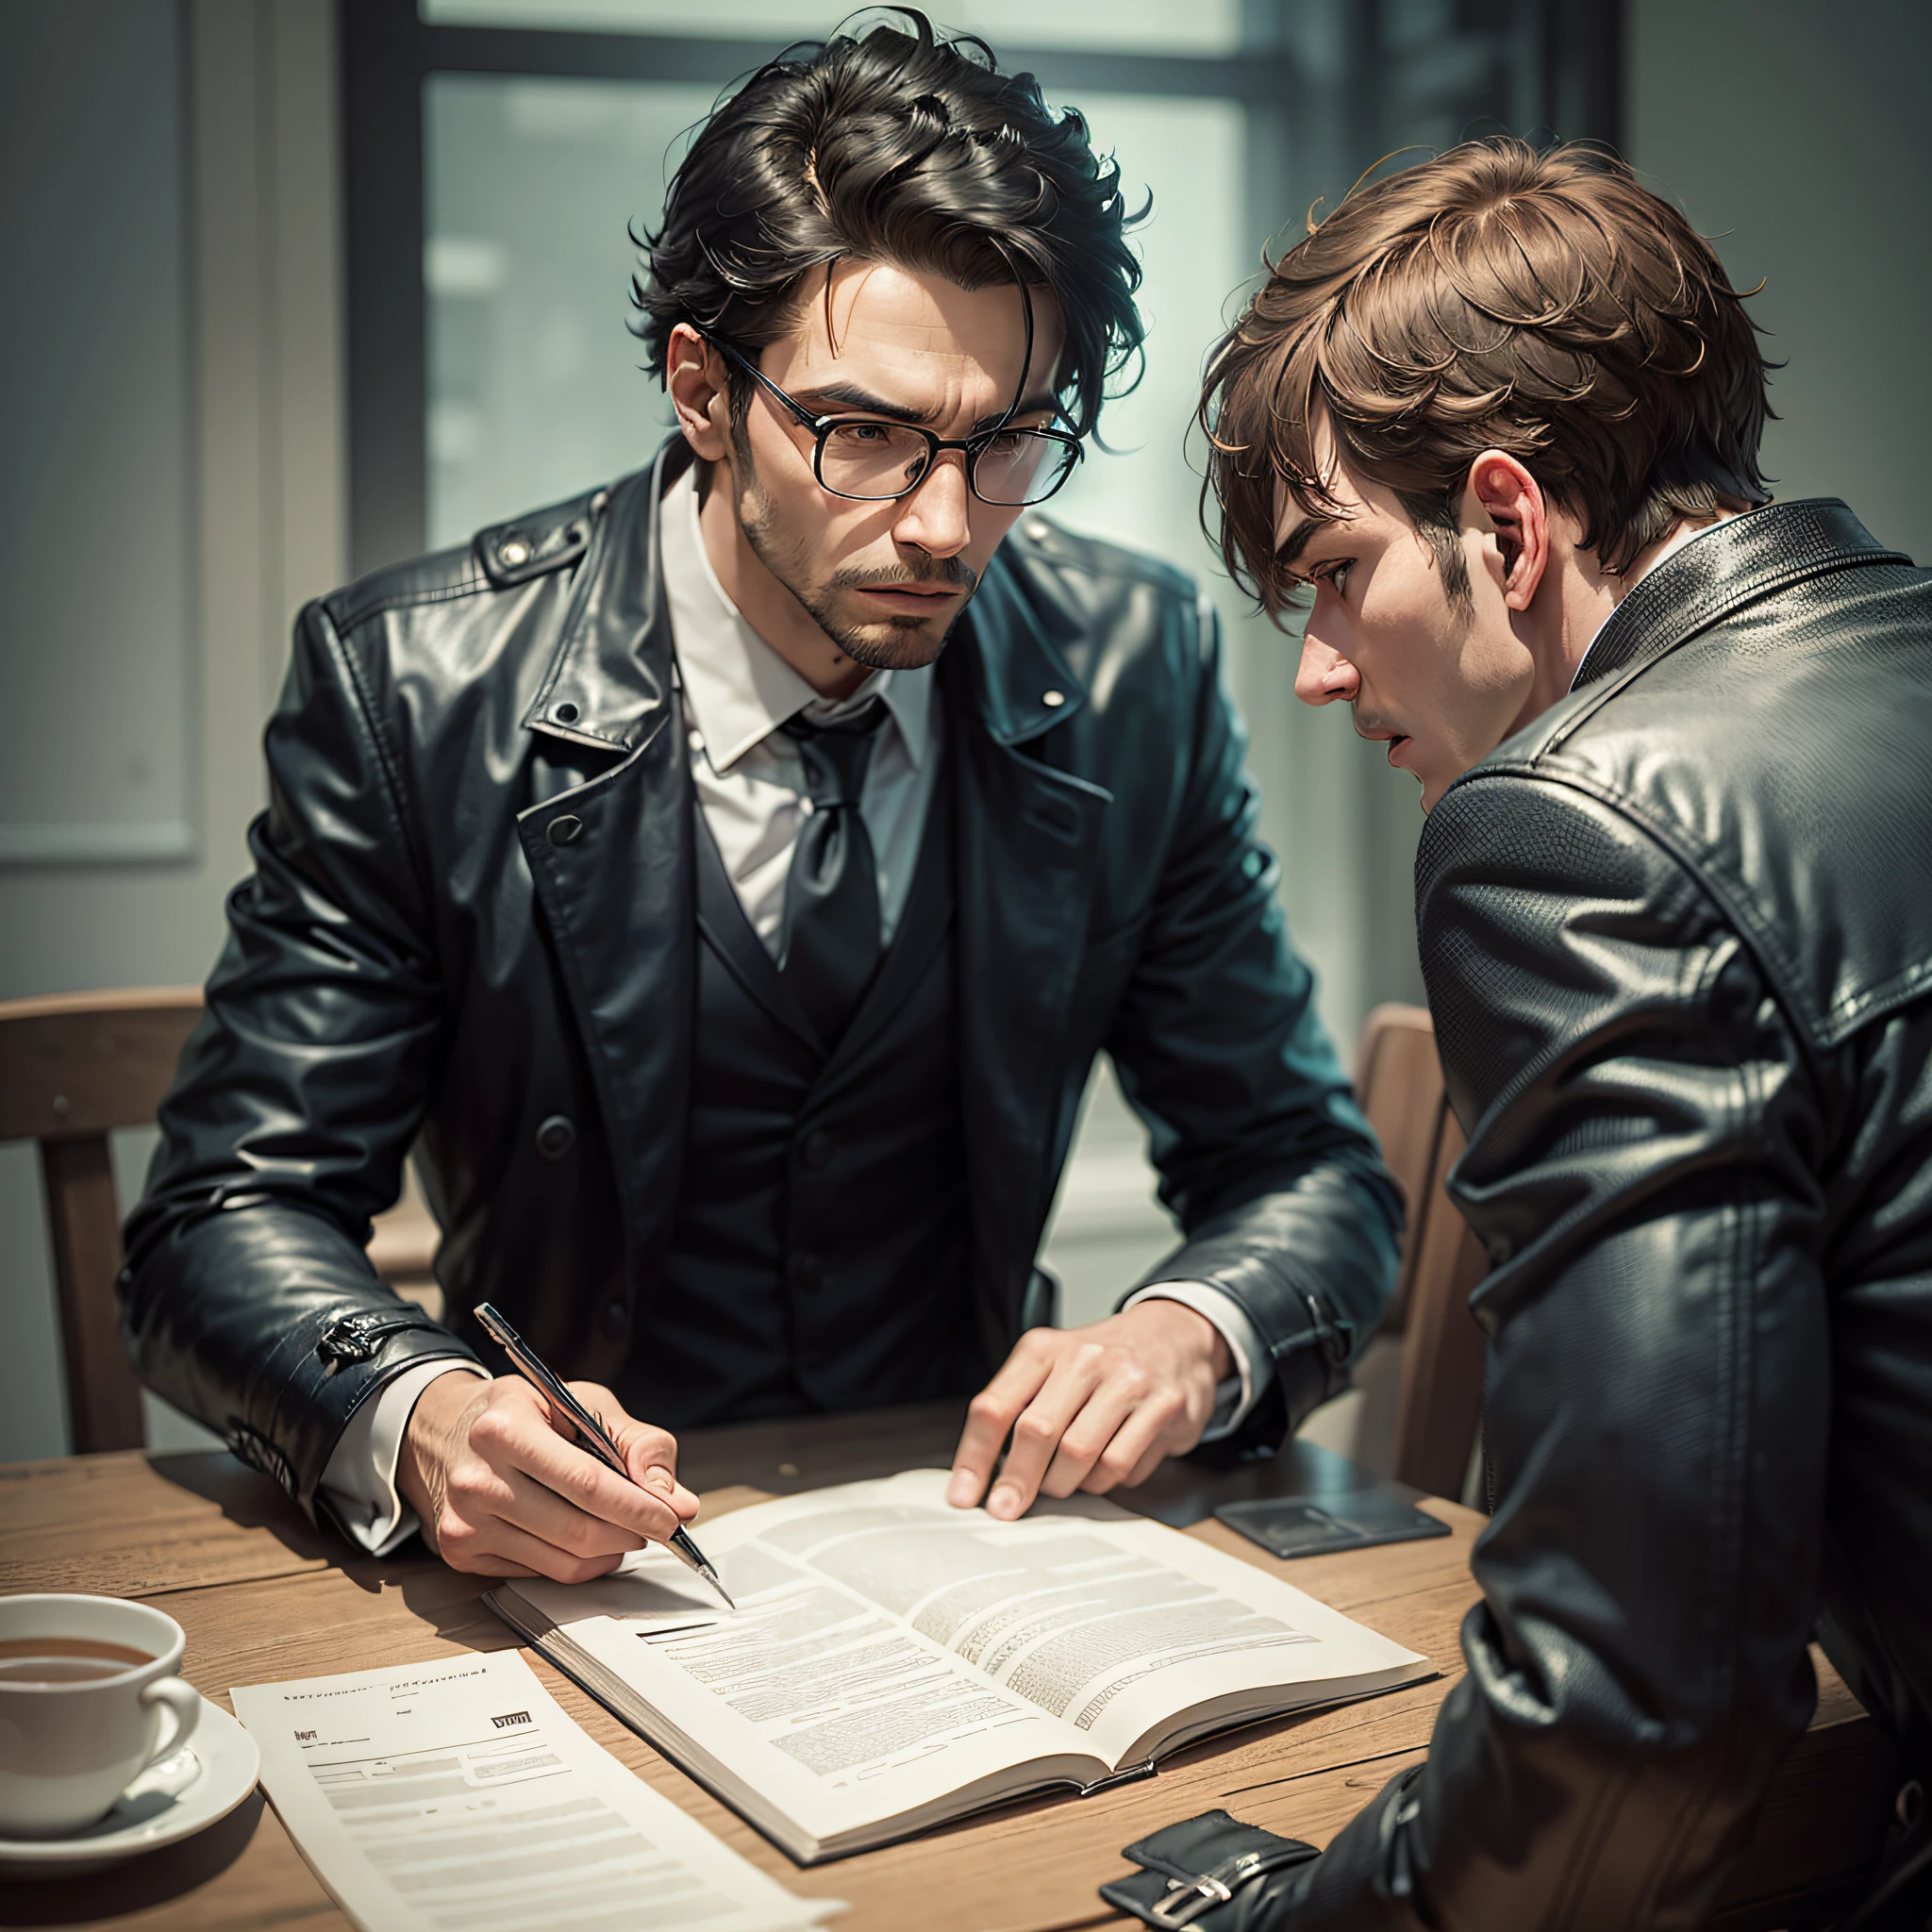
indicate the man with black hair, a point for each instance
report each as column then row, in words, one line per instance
column 1497, row 421
column 725, row 882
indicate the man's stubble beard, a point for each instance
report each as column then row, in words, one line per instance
column 915, row 643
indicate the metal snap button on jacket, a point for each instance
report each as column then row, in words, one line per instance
column 565, row 830
column 555, row 1137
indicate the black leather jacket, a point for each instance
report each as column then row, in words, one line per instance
column 469, row 927
column 1679, row 942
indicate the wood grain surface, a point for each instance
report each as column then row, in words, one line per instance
column 262, row 1595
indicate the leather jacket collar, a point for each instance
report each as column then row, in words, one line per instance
column 1746, row 559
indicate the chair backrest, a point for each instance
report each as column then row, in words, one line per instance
column 1439, row 1398
column 73, row 1068
column 1398, row 1082
column 1439, row 1405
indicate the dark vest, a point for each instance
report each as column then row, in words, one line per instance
column 820, row 1257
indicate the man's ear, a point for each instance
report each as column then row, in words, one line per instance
column 1512, row 500
column 694, row 379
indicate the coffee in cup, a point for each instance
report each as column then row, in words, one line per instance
column 89, row 1699
column 65, row 1660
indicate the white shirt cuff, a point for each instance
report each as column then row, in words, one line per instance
column 361, row 1480
column 1238, row 1395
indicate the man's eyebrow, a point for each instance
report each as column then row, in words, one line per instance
column 828, row 396
column 848, row 396
column 1040, row 404
column 1298, row 538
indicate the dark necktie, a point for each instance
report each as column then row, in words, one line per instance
column 832, row 894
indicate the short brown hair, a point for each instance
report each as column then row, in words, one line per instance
column 1542, row 304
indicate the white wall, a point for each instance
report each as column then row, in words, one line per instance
column 181, row 526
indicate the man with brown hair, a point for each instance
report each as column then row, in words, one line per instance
column 1500, row 414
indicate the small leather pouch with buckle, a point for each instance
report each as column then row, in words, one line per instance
column 1189, row 1870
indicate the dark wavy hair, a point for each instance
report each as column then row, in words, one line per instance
column 1543, row 304
column 903, row 147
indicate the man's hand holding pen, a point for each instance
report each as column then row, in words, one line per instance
column 502, row 1487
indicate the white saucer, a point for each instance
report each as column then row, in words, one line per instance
column 202, row 1782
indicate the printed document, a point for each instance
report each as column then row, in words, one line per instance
column 456, row 1795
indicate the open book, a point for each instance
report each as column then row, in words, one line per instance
column 894, row 1663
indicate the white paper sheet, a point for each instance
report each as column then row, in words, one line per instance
column 459, row 1797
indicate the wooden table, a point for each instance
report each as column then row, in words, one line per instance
column 263, row 1595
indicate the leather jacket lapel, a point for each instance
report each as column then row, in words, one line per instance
column 612, row 859
column 1028, row 845
column 610, row 678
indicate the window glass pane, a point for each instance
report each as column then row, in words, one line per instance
column 1122, row 27
column 536, row 390
column 1141, row 490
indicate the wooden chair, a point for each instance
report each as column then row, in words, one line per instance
column 1439, row 1398
column 73, row 1068
column 1398, row 1081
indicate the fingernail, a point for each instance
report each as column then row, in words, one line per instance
column 1004, row 1501
column 963, row 1490
column 662, row 1480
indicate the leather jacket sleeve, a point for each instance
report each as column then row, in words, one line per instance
column 1264, row 1159
column 249, row 1300
column 1645, row 1137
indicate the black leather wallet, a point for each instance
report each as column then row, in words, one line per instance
column 1190, row 1868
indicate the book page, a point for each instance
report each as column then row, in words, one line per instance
column 808, row 1704
column 883, row 1634
column 459, row 1794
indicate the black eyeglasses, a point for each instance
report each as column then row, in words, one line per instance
column 872, row 460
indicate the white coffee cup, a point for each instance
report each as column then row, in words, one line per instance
column 89, row 1699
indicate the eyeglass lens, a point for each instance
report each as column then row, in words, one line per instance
column 876, row 460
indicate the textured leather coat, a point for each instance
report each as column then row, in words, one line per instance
column 1678, row 941
column 470, row 928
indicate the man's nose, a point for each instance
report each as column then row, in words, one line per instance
column 934, row 517
column 1324, row 674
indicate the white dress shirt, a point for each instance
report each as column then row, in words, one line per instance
column 749, row 776
column 750, row 782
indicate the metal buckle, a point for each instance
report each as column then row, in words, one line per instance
column 1203, row 1894
column 1216, row 1886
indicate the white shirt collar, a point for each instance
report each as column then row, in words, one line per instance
column 1682, row 540
column 737, row 688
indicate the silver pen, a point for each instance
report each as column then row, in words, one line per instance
column 590, row 1431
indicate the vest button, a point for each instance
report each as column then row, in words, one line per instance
column 555, row 1137
column 613, row 1321
column 565, row 830
column 818, row 1149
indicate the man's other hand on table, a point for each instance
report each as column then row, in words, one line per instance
column 1093, row 1408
